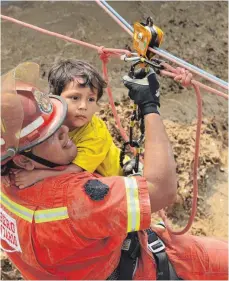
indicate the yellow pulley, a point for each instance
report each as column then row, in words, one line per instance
column 146, row 35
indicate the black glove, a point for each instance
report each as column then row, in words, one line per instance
column 144, row 90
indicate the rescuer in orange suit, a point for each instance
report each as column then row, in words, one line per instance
column 75, row 226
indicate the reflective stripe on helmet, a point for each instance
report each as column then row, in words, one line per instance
column 133, row 206
column 30, row 128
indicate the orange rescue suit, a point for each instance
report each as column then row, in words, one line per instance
column 72, row 227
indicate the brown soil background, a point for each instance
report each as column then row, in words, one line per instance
column 194, row 31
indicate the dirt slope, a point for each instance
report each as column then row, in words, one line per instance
column 195, row 31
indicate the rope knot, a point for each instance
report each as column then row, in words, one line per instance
column 103, row 54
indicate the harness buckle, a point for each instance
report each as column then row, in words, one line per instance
column 156, row 246
column 126, row 244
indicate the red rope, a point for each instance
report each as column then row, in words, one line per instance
column 105, row 57
column 116, row 52
column 197, row 83
column 196, row 163
column 186, row 67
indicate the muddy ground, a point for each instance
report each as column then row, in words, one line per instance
column 194, row 31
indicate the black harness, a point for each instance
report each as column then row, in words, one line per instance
column 131, row 253
column 165, row 270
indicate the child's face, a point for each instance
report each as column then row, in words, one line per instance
column 81, row 104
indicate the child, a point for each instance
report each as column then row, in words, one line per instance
column 82, row 87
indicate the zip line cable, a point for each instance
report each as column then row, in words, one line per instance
column 159, row 51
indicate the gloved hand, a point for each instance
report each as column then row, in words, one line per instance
column 144, row 90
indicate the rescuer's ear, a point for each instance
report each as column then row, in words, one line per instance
column 24, row 162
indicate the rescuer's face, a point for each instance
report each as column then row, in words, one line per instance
column 58, row 148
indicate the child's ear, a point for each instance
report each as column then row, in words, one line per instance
column 24, row 162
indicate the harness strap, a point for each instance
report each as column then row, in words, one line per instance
column 130, row 252
column 165, row 270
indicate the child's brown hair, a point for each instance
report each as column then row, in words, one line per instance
column 68, row 70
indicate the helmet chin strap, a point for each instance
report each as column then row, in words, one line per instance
column 40, row 160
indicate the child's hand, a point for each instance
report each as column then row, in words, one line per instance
column 26, row 178
column 183, row 76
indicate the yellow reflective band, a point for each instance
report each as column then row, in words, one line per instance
column 17, row 209
column 133, row 206
column 48, row 215
column 40, row 216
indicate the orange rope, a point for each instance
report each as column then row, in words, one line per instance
column 104, row 59
column 201, row 85
column 116, row 52
column 196, row 162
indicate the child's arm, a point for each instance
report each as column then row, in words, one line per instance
column 26, row 178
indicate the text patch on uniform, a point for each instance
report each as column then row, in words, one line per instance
column 8, row 231
column 96, row 189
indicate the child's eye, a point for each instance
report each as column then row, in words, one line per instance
column 74, row 98
column 91, row 99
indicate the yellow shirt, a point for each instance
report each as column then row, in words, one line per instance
column 96, row 149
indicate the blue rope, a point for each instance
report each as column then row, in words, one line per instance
column 117, row 15
column 206, row 74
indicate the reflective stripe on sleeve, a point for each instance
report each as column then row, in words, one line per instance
column 47, row 215
column 54, row 214
column 133, row 205
column 17, row 209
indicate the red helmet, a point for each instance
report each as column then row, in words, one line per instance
column 28, row 116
